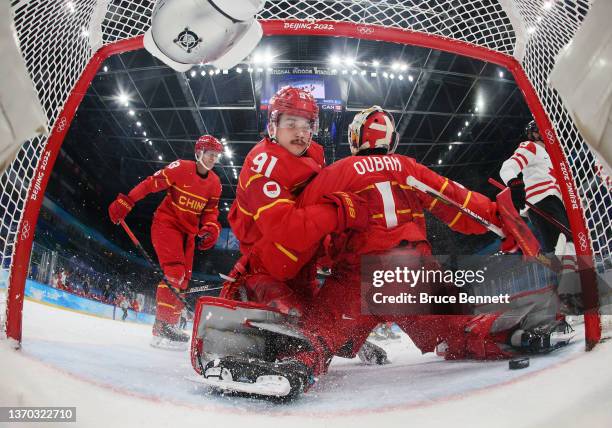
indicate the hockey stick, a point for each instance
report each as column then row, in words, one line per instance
column 536, row 210
column 154, row 265
column 413, row 182
column 201, row 289
column 539, row 258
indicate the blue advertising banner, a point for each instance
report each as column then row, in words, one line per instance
column 47, row 294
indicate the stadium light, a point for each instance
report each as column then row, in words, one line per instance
column 375, row 63
column 123, row 98
column 335, row 60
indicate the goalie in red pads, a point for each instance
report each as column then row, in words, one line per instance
column 189, row 209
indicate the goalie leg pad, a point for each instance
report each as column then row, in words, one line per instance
column 231, row 328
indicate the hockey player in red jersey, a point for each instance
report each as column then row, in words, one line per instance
column 271, row 230
column 189, row 209
column 335, row 319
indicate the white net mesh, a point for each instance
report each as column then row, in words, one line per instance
column 58, row 38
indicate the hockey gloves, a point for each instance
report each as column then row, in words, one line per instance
column 208, row 234
column 120, row 208
column 517, row 187
column 352, row 210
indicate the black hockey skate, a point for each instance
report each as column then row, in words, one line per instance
column 168, row 336
column 542, row 339
column 258, row 378
column 371, row 354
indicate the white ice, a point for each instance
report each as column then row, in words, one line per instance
column 110, row 373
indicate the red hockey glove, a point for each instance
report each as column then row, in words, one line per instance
column 208, row 234
column 120, row 208
column 352, row 210
column 517, row 187
column 234, row 280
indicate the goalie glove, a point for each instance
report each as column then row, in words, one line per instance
column 352, row 210
column 120, row 208
column 208, row 234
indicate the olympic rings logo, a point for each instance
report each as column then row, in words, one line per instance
column 365, row 30
column 550, row 136
column 61, row 125
column 25, row 230
column 582, row 239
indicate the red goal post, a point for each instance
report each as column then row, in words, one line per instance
column 501, row 41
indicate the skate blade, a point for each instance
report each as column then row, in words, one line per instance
column 170, row 345
column 268, row 386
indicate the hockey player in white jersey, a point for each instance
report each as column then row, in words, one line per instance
column 529, row 175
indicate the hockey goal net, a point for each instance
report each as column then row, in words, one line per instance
column 63, row 43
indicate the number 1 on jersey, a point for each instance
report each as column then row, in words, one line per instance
column 384, row 188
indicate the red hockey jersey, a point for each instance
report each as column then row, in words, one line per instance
column 396, row 209
column 192, row 200
column 264, row 209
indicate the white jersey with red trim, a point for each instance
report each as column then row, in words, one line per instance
column 532, row 160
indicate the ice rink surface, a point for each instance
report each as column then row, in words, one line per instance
column 110, row 373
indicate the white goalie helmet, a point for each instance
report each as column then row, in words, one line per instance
column 184, row 33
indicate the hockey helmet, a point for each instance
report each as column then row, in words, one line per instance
column 530, row 129
column 208, row 142
column 372, row 128
column 294, row 101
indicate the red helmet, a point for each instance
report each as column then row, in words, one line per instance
column 208, row 142
column 372, row 128
column 294, row 101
